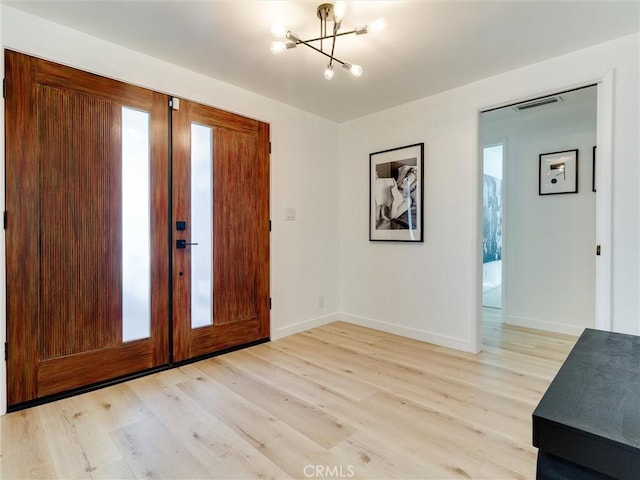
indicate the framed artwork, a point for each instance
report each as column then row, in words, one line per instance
column 396, row 194
column 558, row 172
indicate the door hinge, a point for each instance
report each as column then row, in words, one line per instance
column 598, row 250
column 269, row 225
column 269, row 147
column 6, row 351
column 4, row 220
column 174, row 103
column 269, row 303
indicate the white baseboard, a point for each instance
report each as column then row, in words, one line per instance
column 422, row 335
column 543, row 325
column 302, row 326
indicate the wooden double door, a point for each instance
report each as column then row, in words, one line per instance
column 137, row 233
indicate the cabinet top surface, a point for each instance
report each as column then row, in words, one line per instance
column 597, row 390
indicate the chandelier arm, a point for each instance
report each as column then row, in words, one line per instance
column 304, row 42
column 333, row 44
column 325, row 37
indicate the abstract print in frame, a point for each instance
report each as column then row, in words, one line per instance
column 396, row 194
column 558, row 172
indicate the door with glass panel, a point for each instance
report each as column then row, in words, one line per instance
column 90, row 230
column 86, row 228
column 221, row 230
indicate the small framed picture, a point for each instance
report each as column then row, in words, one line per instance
column 396, row 194
column 558, row 172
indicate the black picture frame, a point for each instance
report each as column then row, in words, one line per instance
column 396, row 194
column 558, row 172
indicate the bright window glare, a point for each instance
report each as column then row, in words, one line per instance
column 493, row 161
column 201, row 225
column 136, row 226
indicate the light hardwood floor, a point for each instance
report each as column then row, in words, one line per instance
column 339, row 401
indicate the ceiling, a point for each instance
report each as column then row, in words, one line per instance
column 427, row 47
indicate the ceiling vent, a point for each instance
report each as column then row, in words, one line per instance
column 537, row 103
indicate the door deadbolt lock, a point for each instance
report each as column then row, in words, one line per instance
column 183, row 244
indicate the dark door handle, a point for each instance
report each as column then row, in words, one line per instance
column 183, row 244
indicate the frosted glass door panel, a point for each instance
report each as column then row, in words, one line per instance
column 201, row 225
column 136, row 226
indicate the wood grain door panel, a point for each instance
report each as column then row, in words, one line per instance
column 64, row 247
column 63, row 237
column 79, row 187
column 240, row 231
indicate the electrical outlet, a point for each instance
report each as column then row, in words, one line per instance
column 321, row 302
column 290, row 215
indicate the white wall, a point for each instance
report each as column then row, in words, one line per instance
column 431, row 291
column 420, row 290
column 550, row 240
column 303, row 253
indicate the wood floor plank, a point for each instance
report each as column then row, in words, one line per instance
column 216, row 446
column 25, row 447
column 287, row 448
column 342, row 384
column 335, row 335
column 313, row 422
column 371, row 364
column 152, row 452
column 542, row 368
column 110, row 408
column 86, row 447
column 377, row 457
column 458, row 441
column 338, row 400
column 483, row 408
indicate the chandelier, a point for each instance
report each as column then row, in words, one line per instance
column 328, row 14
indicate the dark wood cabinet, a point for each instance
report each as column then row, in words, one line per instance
column 587, row 424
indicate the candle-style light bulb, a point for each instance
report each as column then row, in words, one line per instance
column 328, row 72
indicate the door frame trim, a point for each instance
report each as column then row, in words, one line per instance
column 604, row 203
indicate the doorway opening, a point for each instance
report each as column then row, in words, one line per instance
column 539, row 263
column 492, row 162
